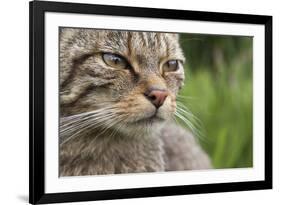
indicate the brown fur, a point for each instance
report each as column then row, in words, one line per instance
column 118, row 135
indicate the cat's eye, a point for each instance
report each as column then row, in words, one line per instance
column 171, row 66
column 115, row 61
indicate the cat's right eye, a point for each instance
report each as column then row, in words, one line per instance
column 115, row 61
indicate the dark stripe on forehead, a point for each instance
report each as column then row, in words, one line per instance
column 129, row 42
column 143, row 38
column 149, row 39
column 117, row 41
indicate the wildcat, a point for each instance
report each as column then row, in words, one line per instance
column 117, row 101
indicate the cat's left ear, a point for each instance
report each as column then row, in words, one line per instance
column 176, row 36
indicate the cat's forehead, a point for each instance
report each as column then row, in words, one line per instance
column 142, row 44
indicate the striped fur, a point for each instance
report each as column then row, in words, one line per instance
column 105, row 125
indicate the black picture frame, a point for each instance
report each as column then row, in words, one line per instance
column 37, row 194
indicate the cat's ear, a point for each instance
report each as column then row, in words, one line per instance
column 176, row 36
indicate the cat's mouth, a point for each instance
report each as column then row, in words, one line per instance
column 154, row 118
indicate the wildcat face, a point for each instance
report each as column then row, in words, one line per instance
column 118, row 79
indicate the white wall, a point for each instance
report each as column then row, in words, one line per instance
column 14, row 100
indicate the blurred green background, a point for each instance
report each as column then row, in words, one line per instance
column 218, row 91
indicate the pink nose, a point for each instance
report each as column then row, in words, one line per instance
column 157, row 97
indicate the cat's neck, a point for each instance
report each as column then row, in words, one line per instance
column 99, row 140
column 114, row 154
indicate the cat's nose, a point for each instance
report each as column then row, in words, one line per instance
column 156, row 96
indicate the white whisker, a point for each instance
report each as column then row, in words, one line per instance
column 186, row 116
column 71, row 126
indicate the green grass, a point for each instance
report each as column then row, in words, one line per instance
column 223, row 103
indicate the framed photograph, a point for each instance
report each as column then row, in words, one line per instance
column 140, row 102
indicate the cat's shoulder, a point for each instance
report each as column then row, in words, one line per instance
column 181, row 148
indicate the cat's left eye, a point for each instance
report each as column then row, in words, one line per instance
column 115, row 61
column 171, row 66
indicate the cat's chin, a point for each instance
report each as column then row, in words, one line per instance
column 150, row 120
column 147, row 124
column 141, row 127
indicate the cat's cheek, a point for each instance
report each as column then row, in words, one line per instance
column 136, row 108
column 174, row 82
